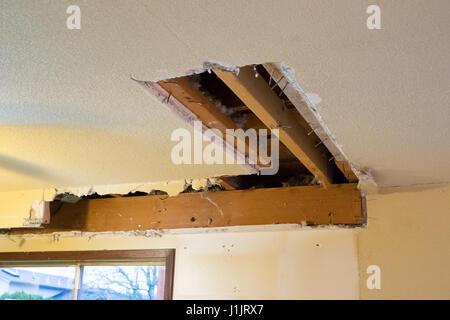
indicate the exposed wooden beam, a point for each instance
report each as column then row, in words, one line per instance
column 258, row 96
column 196, row 102
column 194, row 110
column 276, row 74
column 252, row 121
column 229, row 182
column 346, row 170
column 314, row 205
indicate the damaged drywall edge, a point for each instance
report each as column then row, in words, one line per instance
column 211, row 64
column 172, row 188
column 27, row 208
column 39, row 214
column 151, row 233
column 366, row 182
column 206, row 66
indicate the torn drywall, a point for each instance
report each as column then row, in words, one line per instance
column 39, row 214
column 209, row 65
column 300, row 99
column 307, row 109
column 24, row 208
column 304, row 105
column 172, row 188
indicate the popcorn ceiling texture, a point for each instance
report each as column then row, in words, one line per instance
column 71, row 117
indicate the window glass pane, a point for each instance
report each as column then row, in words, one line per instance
column 143, row 282
column 36, row 283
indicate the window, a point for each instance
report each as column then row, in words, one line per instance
column 87, row 275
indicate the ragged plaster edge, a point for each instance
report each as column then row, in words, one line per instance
column 150, row 233
column 206, row 66
column 39, row 214
column 309, row 112
column 172, row 188
column 211, row 64
column 366, row 181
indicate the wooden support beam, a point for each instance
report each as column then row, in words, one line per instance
column 262, row 101
column 313, row 205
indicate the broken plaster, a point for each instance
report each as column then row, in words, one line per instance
column 39, row 214
column 172, row 188
column 305, row 104
column 150, row 233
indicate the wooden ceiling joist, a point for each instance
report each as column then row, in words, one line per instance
column 254, row 104
column 313, row 205
column 204, row 109
column 184, row 91
column 293, row 95
column 257, row 95
column 346, row 170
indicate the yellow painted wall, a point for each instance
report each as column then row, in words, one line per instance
column 319, row 264
column 408, row 237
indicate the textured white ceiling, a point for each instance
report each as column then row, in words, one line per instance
column 71, row 116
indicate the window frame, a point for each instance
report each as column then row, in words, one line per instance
column 94, row 257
